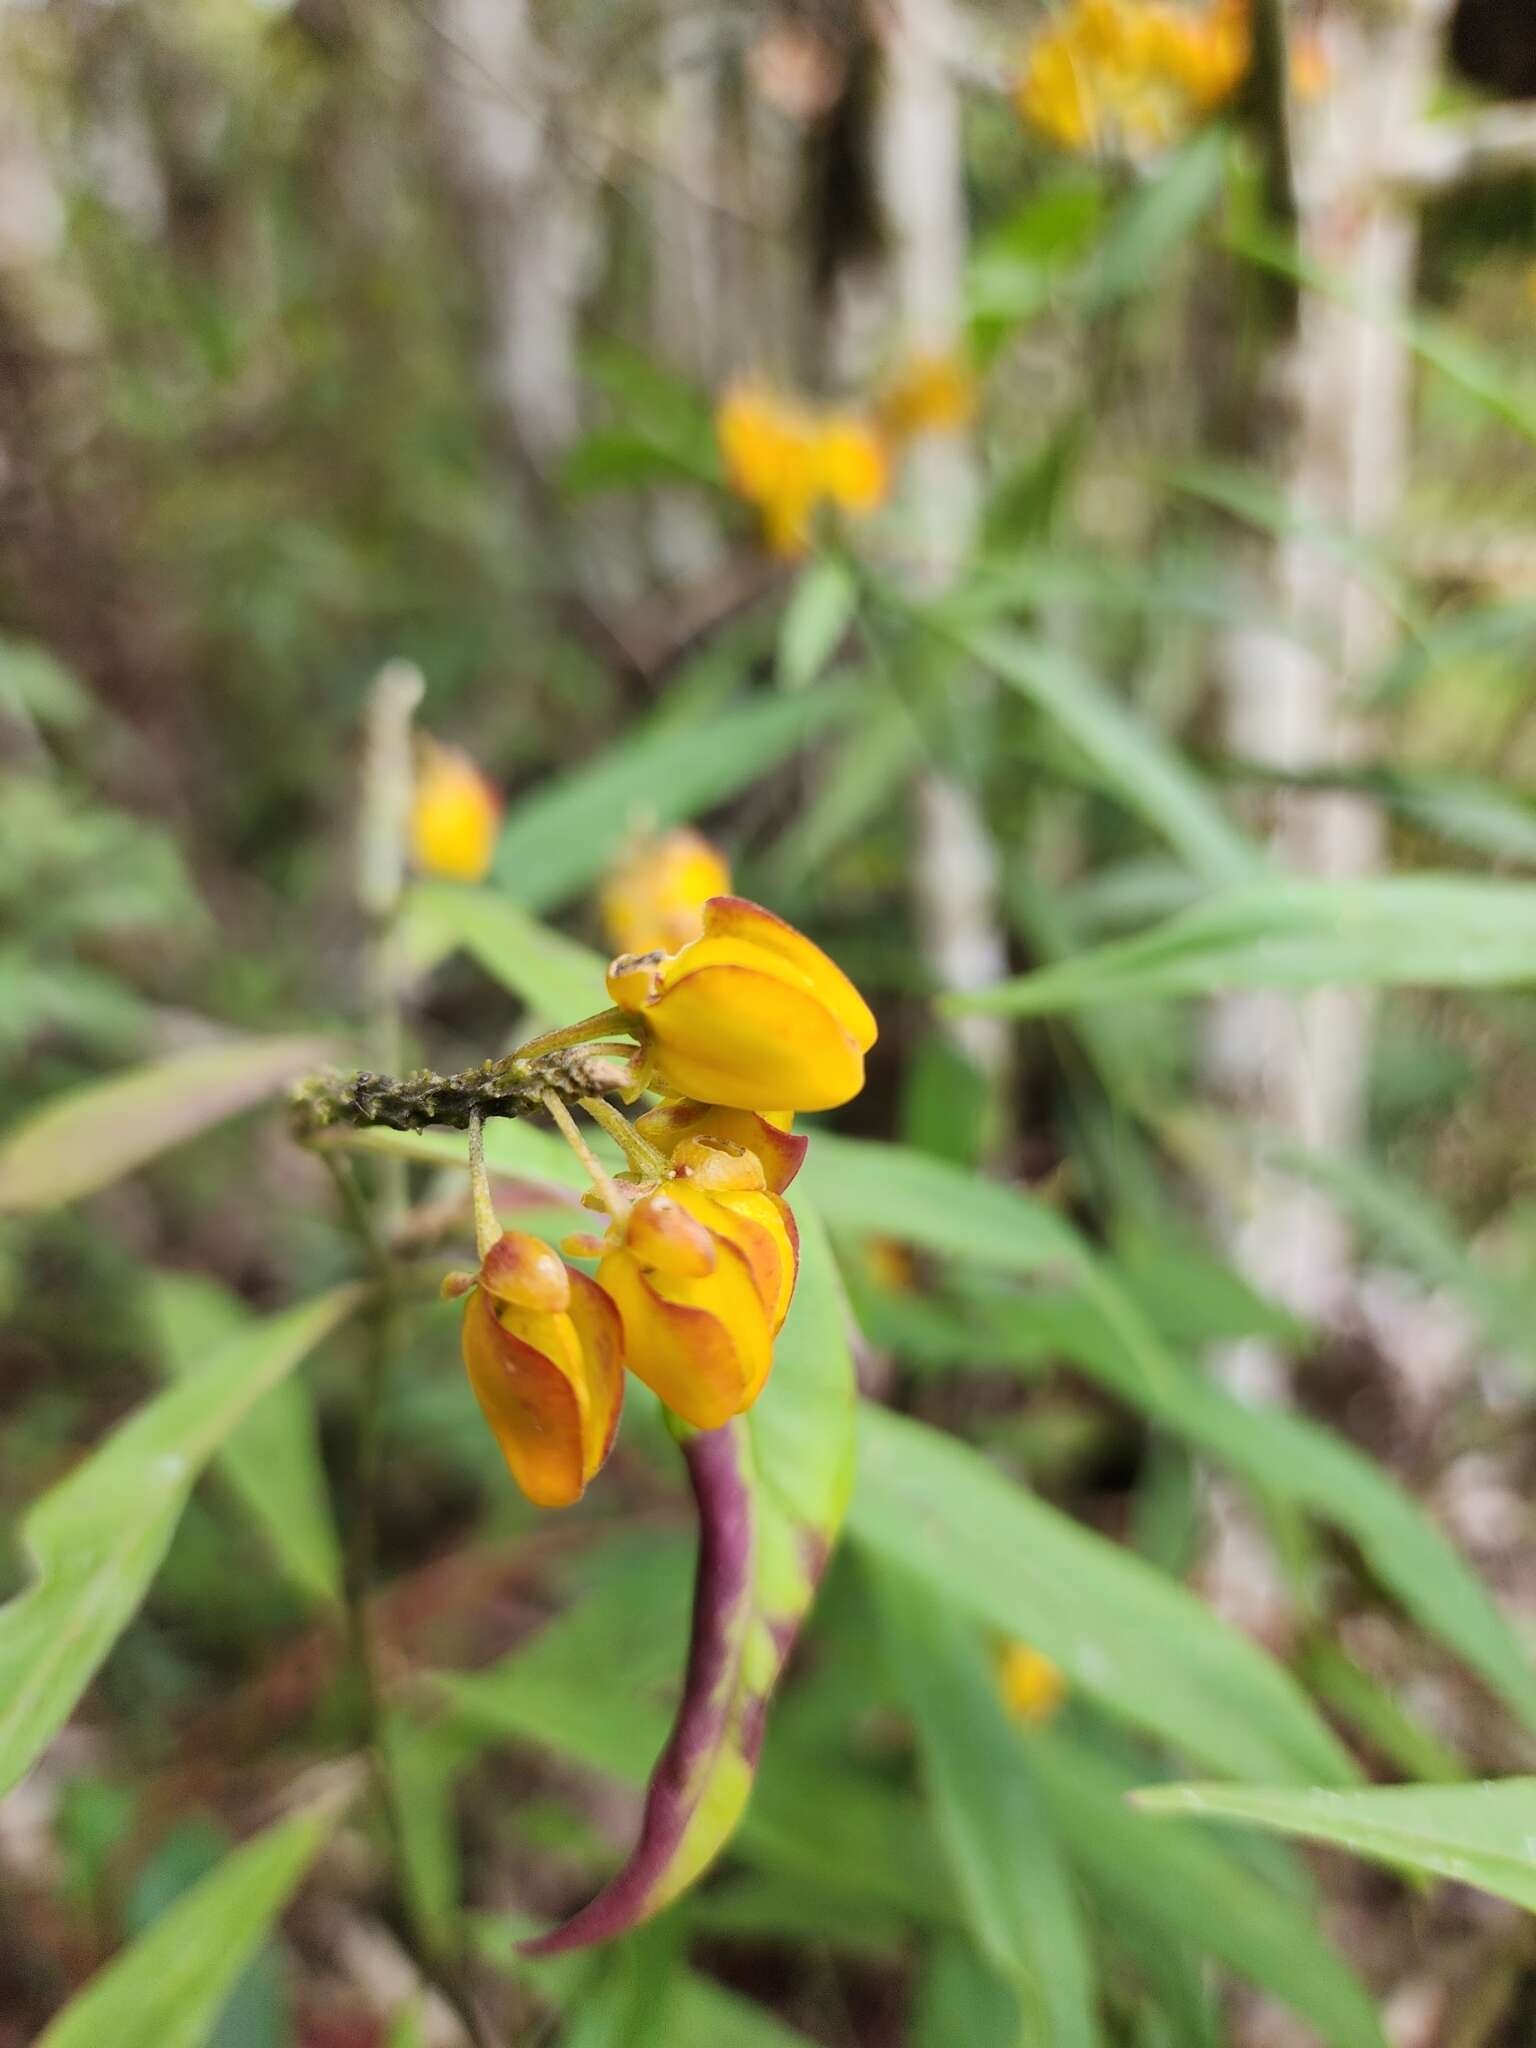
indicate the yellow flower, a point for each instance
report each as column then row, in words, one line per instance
column 927, row 394
column 850, row 463
column 702, row 1278
column 765, row 1134
column 1033, row 1687
column 1132, row 74
column 542, row 1349
column 455, row 815
column 654, row 899
column 751, row 1015
column 787, row 459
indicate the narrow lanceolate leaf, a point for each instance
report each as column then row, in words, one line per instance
column 1177, row 1895
column 771, row 1490
column 552, row 974
column 1121, row 1631
column 1413, row 931
column 97, row 1539
column 272, row 1461
column 557, row 842
column 1148, row 776
column 167, row 1989
column 1001, row 1846
column 91, row 1136
column 1483, row 1835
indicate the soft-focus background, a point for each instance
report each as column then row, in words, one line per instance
column 1050, row 493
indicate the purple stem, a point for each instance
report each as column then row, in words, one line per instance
column 718, row 1462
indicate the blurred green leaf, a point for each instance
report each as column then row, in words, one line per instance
column 961, row 1997
column 561, row 838
column 1414, row 931
column 1123, row 1634
column 999, row 1842
column 96, row 1539
column 554, row 975
column 1167, row 1897
column 167, row 1988
column 816, row 619
column 273, row 1459
column 90, row 1136
column 1148, row 775
column 1483, row 1835
column 1161, row 215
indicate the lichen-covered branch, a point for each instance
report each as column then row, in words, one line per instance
column 512, row 1087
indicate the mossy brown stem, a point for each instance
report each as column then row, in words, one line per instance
column 512, row 1087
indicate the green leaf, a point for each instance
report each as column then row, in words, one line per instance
column 273, row 1459
column 552, row 974
column 815, row 621
column 1123, row 1634
column 558, row 841
column 1483, row 1835
column 167, row 1988
column 999, row 1842
column 1414, row 931
column 96, row 1540
column 1167, row 1895
column 962, row 1997
column 1162, row 214
column 1148, row 775
column 91, row 1136
column 771, row 1489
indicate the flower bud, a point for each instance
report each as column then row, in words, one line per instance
column 455, row 816
column 702, row 1282
column 751, row 1015
column 654, row 899
column 764, row 1133
column 542, row 1347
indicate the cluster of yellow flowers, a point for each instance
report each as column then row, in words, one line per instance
column 789, row 459
column 737, row 1028
column 1133, row 75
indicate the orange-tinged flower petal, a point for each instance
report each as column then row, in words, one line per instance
column 600, row 1334
column 455, row 815
column 702, row 1346
column 741, row 1037
column 654, row 898
column 765, row 1133
column 663, row 1234
column 524, row 1271
column 750, row 1015
column 716, row 1165
column 734, row 917
column 531, row 1403
column 852, row 467
column 764, row 1230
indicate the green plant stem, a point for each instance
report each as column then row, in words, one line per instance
column 638, row 1150
column 444, row 1974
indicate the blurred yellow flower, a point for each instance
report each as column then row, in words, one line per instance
column 653, row 900
column 1033, row 1688
column 455, row 815
column 927, row 394
column 787, row 459
column 1132, row 74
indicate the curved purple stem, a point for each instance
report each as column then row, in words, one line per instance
column 713, row 1711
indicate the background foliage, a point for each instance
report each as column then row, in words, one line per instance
column 334, row 336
